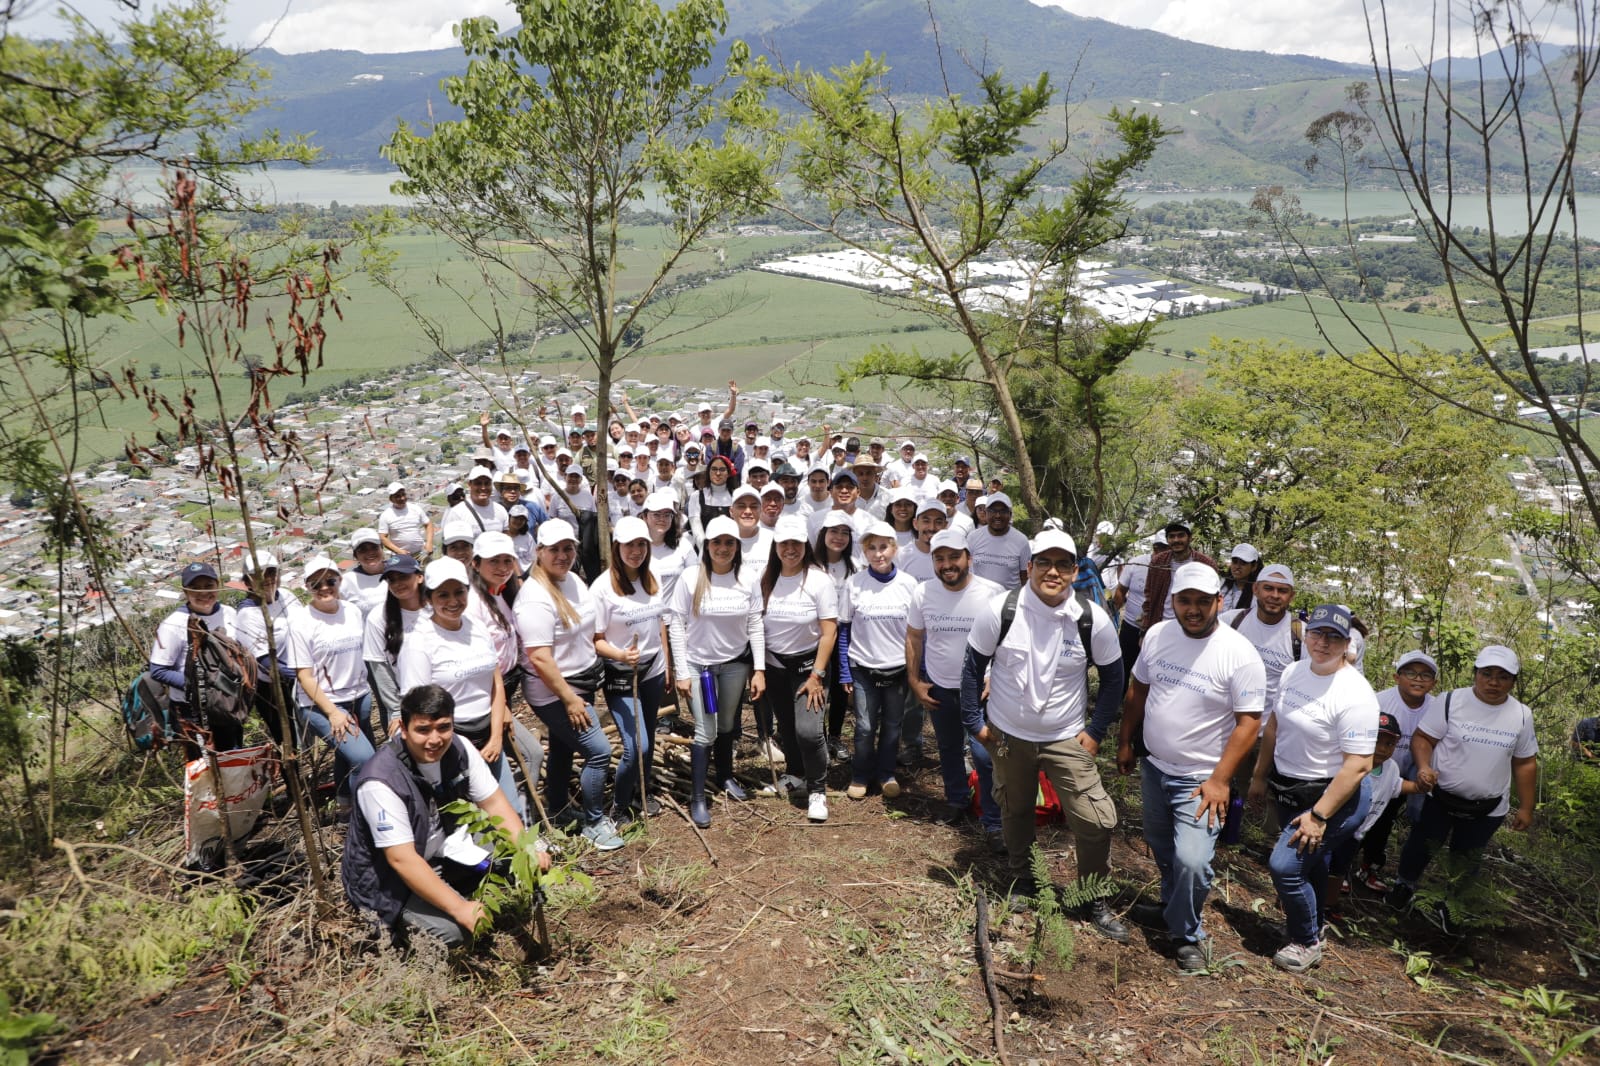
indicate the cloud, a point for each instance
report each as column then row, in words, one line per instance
column 370, row 25
column 1334, row 29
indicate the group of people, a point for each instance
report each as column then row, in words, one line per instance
column 881, row 593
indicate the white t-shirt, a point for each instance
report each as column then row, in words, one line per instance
column 492, row 516
column 1131, row 576
column 250, row 628
column 668, row 564
column 373, row 649
column 794, row 609
column 754, row 552
column 1389, row 702
column 460, row 661
column 1321, row 719
column 1000, row 559
column 860, row 519
column 1197, row 688
column 502, row 630
column 1038, row 680
column 172, row 640
column 386, row 814
column 961, row 520
column 946, row 618
column 362, row 590
column 917, row 565
column 622, row 618
column 406, row 527
column 541, row 627
column 721, row 630
column 330, row 645
column 1385, row 782
column 1476, row 746
column 1275, row 644
column 876, row 611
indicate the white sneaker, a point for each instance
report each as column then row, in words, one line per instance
column 1297, row 958
column 603, row 835
column 817, row 808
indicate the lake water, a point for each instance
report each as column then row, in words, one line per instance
column 319, row 187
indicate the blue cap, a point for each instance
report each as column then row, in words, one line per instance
column 1329, row 616
column 399, row 564
column 195, row 571
column 844, row 475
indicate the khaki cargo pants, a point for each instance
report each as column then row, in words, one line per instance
column 1072, row 772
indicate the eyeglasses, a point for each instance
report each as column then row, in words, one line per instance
column 1326, row 636
column 1060, row 564
column 325, row 583
column 1415, row 675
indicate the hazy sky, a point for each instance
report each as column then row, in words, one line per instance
column 1332, row 28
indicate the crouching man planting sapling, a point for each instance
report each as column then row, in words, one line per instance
column 406, row 858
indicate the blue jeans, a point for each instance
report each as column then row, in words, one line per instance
column 731, row 680
column 953, row 739
column 1302, row 879
column 1183, row 846
column 1466, row 836
column 879, row 711
column 626, row 714
column 351, row 753
column 566, row 742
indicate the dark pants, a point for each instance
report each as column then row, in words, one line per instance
column 879, row 709
column 955, row 744
column 1467, row 837
column 1129, row 637
column 1375, row 845
column 838, row 705
column 800, row 729
column 566, row 743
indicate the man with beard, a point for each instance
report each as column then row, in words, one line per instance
column 937, row 623
column 999, row 552
column 480, row 509
column 1163, row 564
column 1195, row 704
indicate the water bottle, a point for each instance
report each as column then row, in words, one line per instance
column 708, row 692
column 1233, row 825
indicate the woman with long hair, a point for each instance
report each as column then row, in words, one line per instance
column 834, row 551
column 714, row 499
column 266, row 607
column 1239, row 581
column 556, row 617
column 325, row 654
column 718, row 647
column 800, row 611
column 872, row 617
column 630, row 635
column 902, row 513
column 491, row 601
column 386, row 629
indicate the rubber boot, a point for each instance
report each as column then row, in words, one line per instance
column 724, row 751
column 699, row 811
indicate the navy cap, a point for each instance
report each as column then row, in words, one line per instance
column 399, row 564
column 1330, row 616
column 844, row 475
column 1388, row 723
column 195, row 571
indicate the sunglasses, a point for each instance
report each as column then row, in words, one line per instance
column 325, row 583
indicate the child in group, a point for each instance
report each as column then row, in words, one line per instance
column 521, row 538
column 1386, row 785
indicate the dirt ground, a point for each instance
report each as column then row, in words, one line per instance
column 852, row 942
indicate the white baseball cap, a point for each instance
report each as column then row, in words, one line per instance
column 1247, row 552
column 555, row 531
column 394, row 487
column 447, row 569
column 950, row 538
column 721, row 526
column 789, row 527
column 316, row 565
column 1053, row 538
column 1197, row 576
column 490, row 544
column 1498, row 655
column 1277, row 572
column 628, row 529
column 880, row 528
column 364, row 535
column 456, row 532
column 1002, row 499
column 661, row 500
column 746, row 490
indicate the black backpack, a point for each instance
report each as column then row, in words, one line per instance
column 221, row 676
column 147, row 714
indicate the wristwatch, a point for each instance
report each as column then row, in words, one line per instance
column 820, row 675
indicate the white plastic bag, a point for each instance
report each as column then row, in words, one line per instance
column 246, row 784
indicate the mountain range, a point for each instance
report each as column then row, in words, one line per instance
column 1241, row 115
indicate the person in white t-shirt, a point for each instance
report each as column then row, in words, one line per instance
column 267, row 608
column 325, row 652
column 556, row 619
column 800, row 611
column 404, row 527
column 718, row 648
column 956, row 516
column 916, row 558
column 1315, row 755
column 362, row 585
column 999, row 552
column 872, row 635
column 1128, row 599
column 1195, row 702
column 1268, row 626
column 480, row 509
column 630, row 636
column 1469, row 749
column 1408, row 700
column 1389, row 791
column 1036, row 718
column 384, row 634
column 941, row 615
column 401, row 844
column 169, row 657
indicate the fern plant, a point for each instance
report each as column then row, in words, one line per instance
column 1052, row 936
